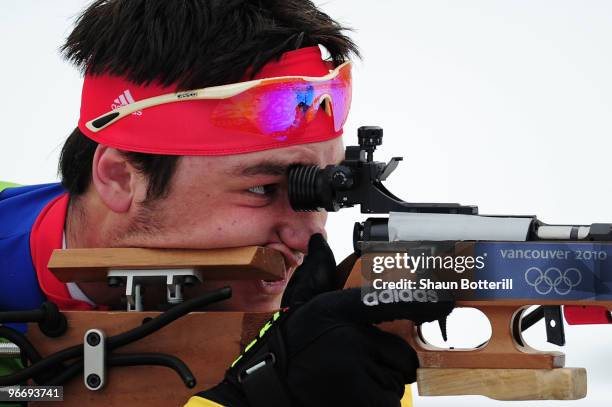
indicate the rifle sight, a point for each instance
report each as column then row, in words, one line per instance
column 357, row 180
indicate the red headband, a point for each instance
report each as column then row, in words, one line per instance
column 185, row 128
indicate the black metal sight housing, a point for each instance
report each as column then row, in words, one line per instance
column 357, row 181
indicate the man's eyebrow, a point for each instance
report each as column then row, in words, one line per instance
column 272, row 168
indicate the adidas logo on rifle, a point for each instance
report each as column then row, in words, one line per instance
column 389, row 296
column 125, row 99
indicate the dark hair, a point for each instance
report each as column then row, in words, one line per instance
column 188, row 43
column 76, row 160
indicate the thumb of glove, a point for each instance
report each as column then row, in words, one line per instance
column 316, row 275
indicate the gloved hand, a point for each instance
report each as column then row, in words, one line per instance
column 324, row 350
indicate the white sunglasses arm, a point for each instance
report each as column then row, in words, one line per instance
column 214, row 92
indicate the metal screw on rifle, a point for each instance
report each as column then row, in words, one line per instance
column 342, row 178
column 93, row 339
column 369, row 137
column 114, row 281
column 93, row 380
column 190, row 281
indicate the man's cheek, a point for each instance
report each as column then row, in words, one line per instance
column 324, row 215
column 254, row 226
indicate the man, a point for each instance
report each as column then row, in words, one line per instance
column 209, row 198
column 156, row 163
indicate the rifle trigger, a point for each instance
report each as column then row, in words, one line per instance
column 442, row 325
column 555, row 332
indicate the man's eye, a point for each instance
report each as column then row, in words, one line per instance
column 263, row 189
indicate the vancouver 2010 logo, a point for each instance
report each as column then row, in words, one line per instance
column 561, row 282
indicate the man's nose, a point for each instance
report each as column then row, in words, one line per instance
column 297, row 227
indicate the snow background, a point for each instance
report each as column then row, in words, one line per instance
column 502, row 104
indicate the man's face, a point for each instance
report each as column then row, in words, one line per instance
column 233, row 201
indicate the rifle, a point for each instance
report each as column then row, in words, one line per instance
column 503, row 368
column 563, row 269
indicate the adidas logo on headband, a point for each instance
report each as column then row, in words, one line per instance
column 125, row 99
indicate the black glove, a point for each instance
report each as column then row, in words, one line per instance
column 324, row 350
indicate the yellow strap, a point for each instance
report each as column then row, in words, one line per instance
column 4, row 185
column 197, row 401
column 407, row 399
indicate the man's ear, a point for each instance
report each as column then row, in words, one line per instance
column 114, row 178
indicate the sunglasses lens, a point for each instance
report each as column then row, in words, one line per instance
column 341, row 93
column 282, row 107
column 285, row 106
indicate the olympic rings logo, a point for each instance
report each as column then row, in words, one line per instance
column 553, row 279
